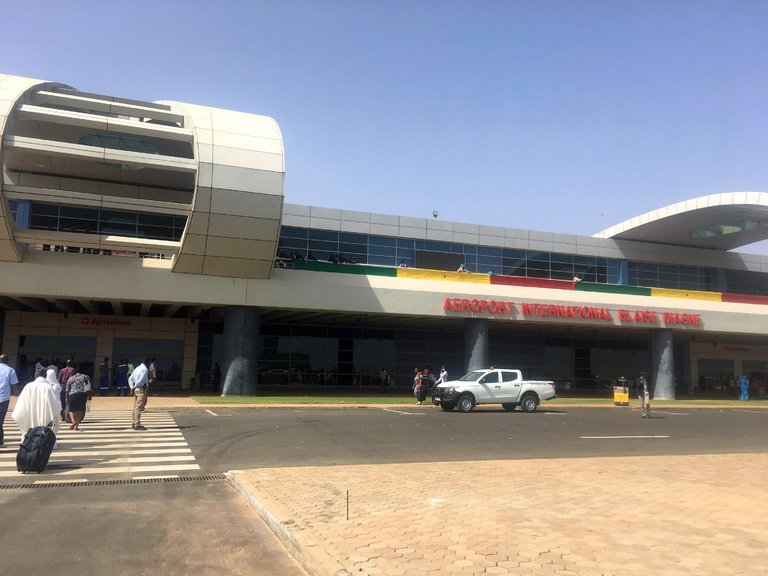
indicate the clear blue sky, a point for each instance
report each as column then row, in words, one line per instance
column 566, row 116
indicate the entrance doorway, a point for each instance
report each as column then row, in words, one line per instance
column 55, row 350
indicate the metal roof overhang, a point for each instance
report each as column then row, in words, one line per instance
column 717, row 222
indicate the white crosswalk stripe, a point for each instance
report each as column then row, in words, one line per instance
column 106, row 444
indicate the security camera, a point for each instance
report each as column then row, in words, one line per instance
column 434, row 213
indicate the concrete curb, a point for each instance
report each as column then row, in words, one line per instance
column 313, row 558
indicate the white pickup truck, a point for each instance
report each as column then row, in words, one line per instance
column 493, row 386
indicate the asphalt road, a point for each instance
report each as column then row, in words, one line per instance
column 201, row 526
column 251, row 438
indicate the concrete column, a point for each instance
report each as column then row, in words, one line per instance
column 241, row 341
column 476, row 343
column 663, row 364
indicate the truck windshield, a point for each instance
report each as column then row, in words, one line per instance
column 472, row 376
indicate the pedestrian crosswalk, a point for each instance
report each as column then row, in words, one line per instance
column 105, row 446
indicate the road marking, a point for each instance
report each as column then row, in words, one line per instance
column 673, row 413
column 211, row 412
column 401, row 412
column 617, row 437
column 753, row 411
column 108, row 445
column 155, row 477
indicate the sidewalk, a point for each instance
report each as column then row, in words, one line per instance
column 702, row 515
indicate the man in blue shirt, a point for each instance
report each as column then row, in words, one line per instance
column 139, row 381
column 9, row 383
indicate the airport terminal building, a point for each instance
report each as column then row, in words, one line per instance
column 132, row 229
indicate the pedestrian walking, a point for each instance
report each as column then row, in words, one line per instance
column 37, row 405
column 104, row 377
column 644, row 395
column 9, row 384
column 443, row 376
column 64, row 375
column 418, row 385
column 216, row 376
column 744, row 388
column 139, row 382
column 78, row 393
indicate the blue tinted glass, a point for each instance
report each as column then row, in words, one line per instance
column 382, row 251
column 513, row 254
column 566, row 259
column 437, row 246
column 405, row 243
column 489, row 261
column 488, row 251
column 329, row 235
column 293, row 232
column 382, row 241
column 353, row 248
column 353, row 238
column 418, row 244
column 406, row 253
column 293, row 243
column 320, row 245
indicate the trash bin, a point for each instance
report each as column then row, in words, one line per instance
column 621, row 392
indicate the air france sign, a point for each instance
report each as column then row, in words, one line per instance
column 526, row 310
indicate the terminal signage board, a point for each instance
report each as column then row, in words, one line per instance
column 625, row 316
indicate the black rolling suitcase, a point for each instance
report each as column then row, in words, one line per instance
column 35, row 449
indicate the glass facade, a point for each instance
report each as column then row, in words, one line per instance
column 745, row 282
column 390, row 251
column 316, row 357
column 169, row 354
column 670, row 276
column 85, row 220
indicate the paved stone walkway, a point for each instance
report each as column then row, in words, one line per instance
column 663, row 515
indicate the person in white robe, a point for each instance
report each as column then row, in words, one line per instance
column 37, row 405
column 53, row 380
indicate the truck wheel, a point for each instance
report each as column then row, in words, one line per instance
column 448, row 406
column 529, row 403
column 509, row 407
column 465, row 403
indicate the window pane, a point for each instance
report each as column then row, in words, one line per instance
column 382, row 241
column 44, row 209
column 321, row 245
column 437, row 246
column 293, row 232
column 328, row 235
column 353, row 238
column 156, row 220
column 43, row 222
column 109, row 216
column 76, row 212
column 488, row 251
column 80, row 226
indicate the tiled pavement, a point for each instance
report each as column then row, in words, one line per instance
column 662, row 515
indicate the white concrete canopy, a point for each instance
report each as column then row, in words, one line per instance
column 718, row 221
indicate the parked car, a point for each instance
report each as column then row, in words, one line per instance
column 493, row 386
